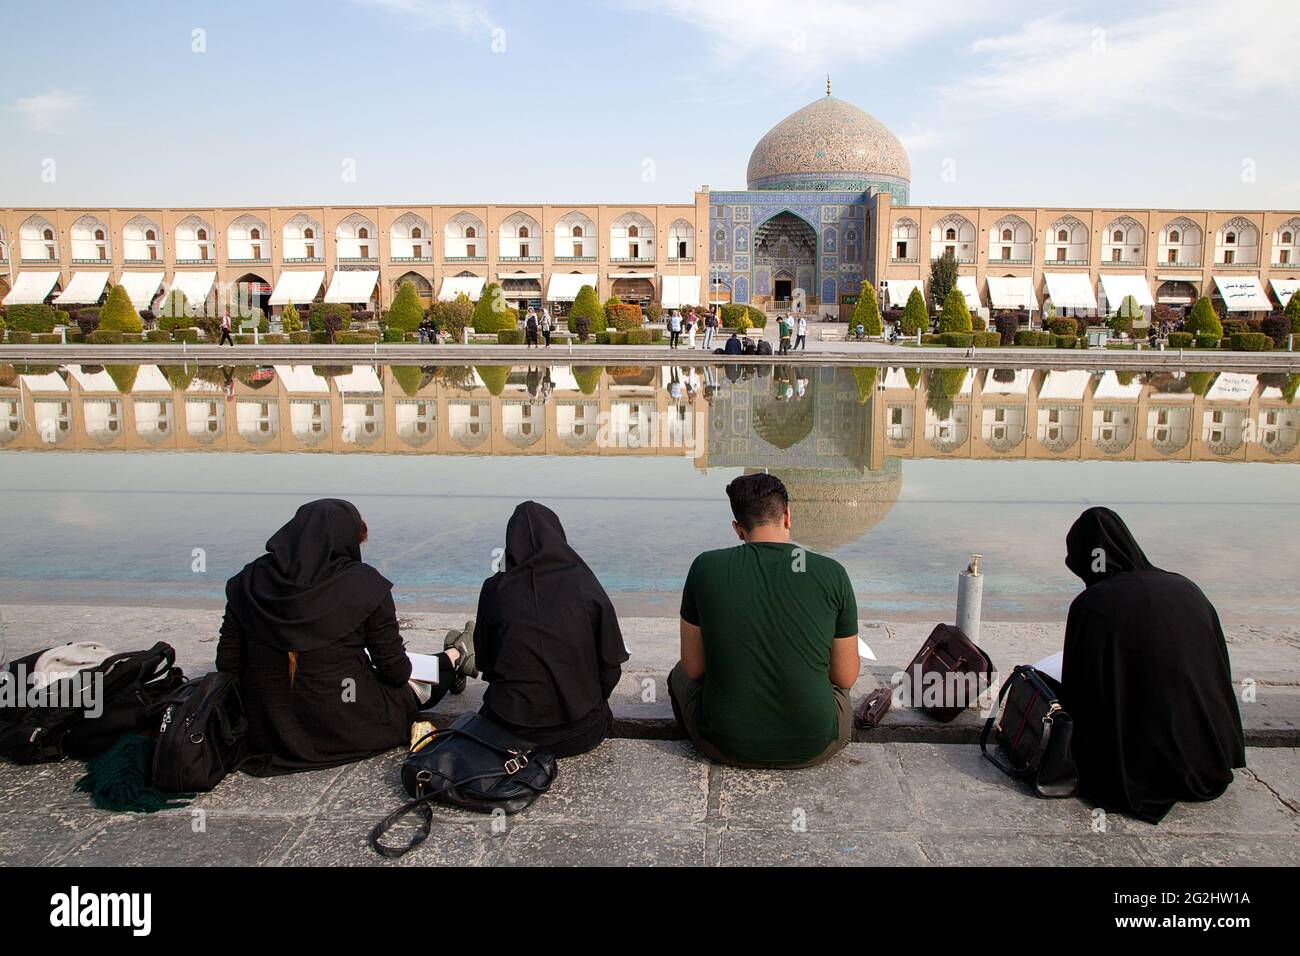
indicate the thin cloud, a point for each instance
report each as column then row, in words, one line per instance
column 463, row 15
column 921, row 139
column 45, row 111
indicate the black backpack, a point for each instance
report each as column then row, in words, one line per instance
column 131, row 683
column 200, row 727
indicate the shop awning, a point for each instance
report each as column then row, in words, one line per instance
column 97, row 380
column 1064, row 386
column 352, row 288
column 1071, row 290
column 195, row 286
column 1019, row 384
column 31, row 288
column 519, row 275
column 454, row 286
column 51, row 383
column 300, row 288
column 1284, row 289
column 1118, row 288
column 150, row 378
column 625, row 274
column 301, row 378
column 1012, row 292
column 564, row 286
column 1232, row 387
column 1243, row 294
column 679, row 291
column 971, row 290
column 141, row 287
column 363, row 379
column 86, row 288
column 1110, row 387
column 901, row 289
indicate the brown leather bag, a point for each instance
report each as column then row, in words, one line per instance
column 947, row 675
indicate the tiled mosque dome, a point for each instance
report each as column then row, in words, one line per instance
column 830, row 145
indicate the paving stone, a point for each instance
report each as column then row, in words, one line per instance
column 1279, row 770
column 35, row 838
column 297, row 793
column 1225, row 849
column 1247, row 807
column 47, row 786
column 743, row 847
column 1010, row 848
column 341, row 841
column 857, row 789
column 566, row 844
column 168, row 839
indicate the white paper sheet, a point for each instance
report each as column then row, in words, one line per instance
column 424, row 667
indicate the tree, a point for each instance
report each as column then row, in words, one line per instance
column 118, row 314
column 453, row 317
column 955, row 316
column 1292, row 311
column 585, row 304
column 915, row 318
column 943, row 278
column 175, row 312
column 123, row 376
column 867, row 311
column 865, row 378
column 289, row 320
column 588, row 377
column 406, row 313
column 491, row 313
column 493, row 376
column 1204, row 320
column 408, row 377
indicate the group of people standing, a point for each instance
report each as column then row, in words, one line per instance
column 762, row 681
column 536, row 323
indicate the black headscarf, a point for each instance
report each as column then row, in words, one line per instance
column 310, row 589
column 1146, row 678
column 546, row 638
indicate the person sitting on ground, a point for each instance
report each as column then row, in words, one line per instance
column 547, row 639
column 299, row 624
column 768, row 642
column 1145, row 677
column 732, row 346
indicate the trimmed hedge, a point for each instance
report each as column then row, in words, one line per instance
column 637, row 336
column 1035, row 339
column 20, row 337
column 867, row 310
column 299, row 338
column 406, row 312
column 157, row 335
column 356, row 338
column 588, row 377
column 510, row 337
column 1207, row 341
column 275, row 338
column 491, row 314
column 1204, row 321
column 732, row 313
column 1063, row 327
column 957, row 340
column 105, row 337
column 615, row 338
column 320, row 312
column 1181, row 340
column 31, row 318
column 623, row 316
column 988, row 340
column 118, row 314
column 1067, row 341
column 391, row 334
column 185, row 335
column 1250, row 342
column 914, row 318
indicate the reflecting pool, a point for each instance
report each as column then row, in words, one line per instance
column 900, row 474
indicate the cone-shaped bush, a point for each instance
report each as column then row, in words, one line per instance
column 491, row 313
column 1292, row 312
column 179, row 376
column 118, row 314
column 867, row 312
column 586, row 304
column 1203, row 320
column 174, row 313
column 588, row 377
column 955, row 316
column 914, row 318
column 866, row 381
column 494, row 377
column 290, row 320
column 406, row 311
column 408, row 377
column 123, row 376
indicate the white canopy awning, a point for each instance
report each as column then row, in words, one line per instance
column 1071, row 290
column 453, row 286
column 362, row 379
column 632, row 274
column 352, row 287
column 1019, row 384
column 1118, row 288
column 301, row 378
column 300, row 288
column 679, row 291
column 49, row 383
column 149, row 378
column 901, row 289
column 1110, row 387
column 518, row 275
column 1243, row 294
column 1012, row 292
column 195, row 286
column 31, row 288
column 564, row 286
column 86, row 288
column 1064, row 385
column 95, row 381
column 1232, row 387
column 971, row 290
column 1284, row 289
column 141, row 287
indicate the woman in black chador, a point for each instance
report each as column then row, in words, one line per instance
column 312, row 633
column 1145, row 677
column 547, row 639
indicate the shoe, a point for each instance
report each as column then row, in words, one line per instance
column 463, row 641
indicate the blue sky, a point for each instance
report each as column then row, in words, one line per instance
column 1166, row 104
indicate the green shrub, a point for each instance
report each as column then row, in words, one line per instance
column 76, row 336
column 406, row 312
column 616, row 338
column 1207, row 341
column 587, row 306
column 1034, row 339
column 914, row 318
column 865, row 379
column 392, row 335
column 957, row 340
column 623, row 316
column 320, row 312
column 941, row 386
column 1250, row 342
column 106, row 337
column 20, row 337
column 656, row 336
column 637, row 336
column 743, row 317
column 1063, row 327
column 978, row 324
column 290, row 321
column 1181, row 340
column 299, row 338
column 955, row 316
column 186, row 335
column 494, row 377
column 588, row 377
column 118, row 314
column 930, row 338
column 46, row 338
column 453, row 317
column 244, row 338
column 174, row 313
column 867, row 310
column 491, row 313
column 1292, row 312
column 1067, row 341
column 1203, row 320
column 123, row 376
column 988, row 340
column 510, row 337
column 275, row 338
column 31, row 318
column 357, row 338
column 408, row 377
column 157, row 335
column 1198, row 383
column 319, row 338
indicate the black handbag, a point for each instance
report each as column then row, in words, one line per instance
column 1032, row 728
column 200, row 728
column 474, row 764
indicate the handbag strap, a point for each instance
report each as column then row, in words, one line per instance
column 1043, row 740
column 1006, row 768
column 421, row 803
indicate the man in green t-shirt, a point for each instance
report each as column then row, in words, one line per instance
column 769, row 642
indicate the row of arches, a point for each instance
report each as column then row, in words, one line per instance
column 1067, row 241
column 248, row 237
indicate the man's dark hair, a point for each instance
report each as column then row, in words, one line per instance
column 757, row 499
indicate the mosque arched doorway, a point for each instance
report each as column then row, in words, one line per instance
column 785, row 262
